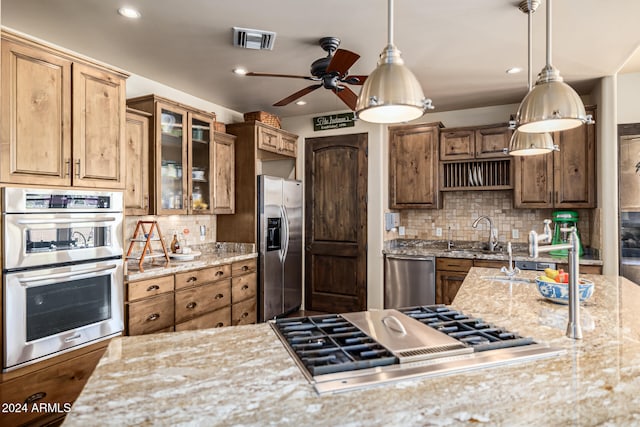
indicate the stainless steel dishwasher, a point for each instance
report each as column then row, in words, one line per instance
column 409, row 280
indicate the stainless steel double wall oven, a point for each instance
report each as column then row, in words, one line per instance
column 62, row 271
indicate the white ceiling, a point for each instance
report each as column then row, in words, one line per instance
column 458, row 49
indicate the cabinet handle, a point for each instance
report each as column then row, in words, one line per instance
column 245, row 268
column 146, row 201
column 556, row 197
column 191, row 305
column 219, row 325
column 245, row 287
column 153, row 288
column 245, row 314
column 219, row 273
column 154, row 316
column 184, row 205
column 192, row 279
column 67, row 164
column 218, row 296
column 77, row 171
column 191, row 202
column 35, row 397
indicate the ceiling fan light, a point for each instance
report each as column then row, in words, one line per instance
column 391, row 93
column 530, row 144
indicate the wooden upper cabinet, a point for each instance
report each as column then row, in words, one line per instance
column 413, row 166
column 223, row 174
column 457, row 144
column 474, row 142
column 99, row 120
column 564, row 179
column 136, row 196
column 36, row 116
column 276, row 140
column 63, row 118
column 492, row 140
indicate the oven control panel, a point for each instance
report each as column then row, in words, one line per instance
column 66, row 201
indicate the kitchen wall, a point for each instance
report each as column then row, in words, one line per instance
column 461, row 208
column 188, row 225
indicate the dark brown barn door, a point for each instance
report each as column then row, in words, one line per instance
column 336, row 223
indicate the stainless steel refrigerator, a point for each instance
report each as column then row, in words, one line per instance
column 279, row 246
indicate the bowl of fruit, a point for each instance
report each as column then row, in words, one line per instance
column 554, row 286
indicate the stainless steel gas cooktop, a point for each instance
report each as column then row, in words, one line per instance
column 340, row 352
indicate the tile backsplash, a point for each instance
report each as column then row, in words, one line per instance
column 189, row 225
column 460, row 209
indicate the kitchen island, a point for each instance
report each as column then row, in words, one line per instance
column 244, row 376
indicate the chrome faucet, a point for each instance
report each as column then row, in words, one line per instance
column 512, row 270
column 574, row 329
column 493, row 239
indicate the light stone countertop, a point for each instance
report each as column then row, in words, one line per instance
column 174, row 266
column 438, row 248
column 243, row 375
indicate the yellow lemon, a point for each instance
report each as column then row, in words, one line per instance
column 546, row 279
column 551, row 273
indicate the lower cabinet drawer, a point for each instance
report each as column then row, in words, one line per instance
column 195, row 301
column 57, row 386
column 149, row 287
column 244, row 312
column 454, row 264
column 243, row 287
column 215, row 319
column 150, row 315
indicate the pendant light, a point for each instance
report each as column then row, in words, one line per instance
column 552, row 105
column 523, row 143
column 391, row 93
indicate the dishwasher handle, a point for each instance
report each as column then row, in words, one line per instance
column 412, row 257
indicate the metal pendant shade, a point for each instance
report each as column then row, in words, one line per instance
column 552, row 105
column 391, row 93
column 523, row 143
column 530, row 144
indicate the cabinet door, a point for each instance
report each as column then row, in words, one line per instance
column 136, row 195
column 224, row 174
column 491, row 141
column 201, row 161
column 413, row 166
column 575, row 167
column 244, row 312
column 36, row 116
column 268, row 139
column 150, row 315
column 99, row 107
column 447, row 286
column 57, row 384
column 215, row 319
column 289, row 145
column 533, row 186
column 193, row 302
column 457, row 144
column 171, row 194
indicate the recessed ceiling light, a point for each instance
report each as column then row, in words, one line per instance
column 240, row 71
column 514, row 70
column 301, row 102
column 129, row 12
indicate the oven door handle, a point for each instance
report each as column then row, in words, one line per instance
column 31, row 281
column 66, row 220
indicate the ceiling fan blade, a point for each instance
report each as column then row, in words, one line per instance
column 355, row 80
column 278, row 75
column 341, row 61
column 299, row 94
column 348, row 97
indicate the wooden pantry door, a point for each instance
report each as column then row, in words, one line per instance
column 336, row 223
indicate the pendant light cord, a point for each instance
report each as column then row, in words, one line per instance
column 549, row 34
column 390, row 23
column 529, row 50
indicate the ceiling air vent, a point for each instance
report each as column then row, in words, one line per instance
column 253, row 39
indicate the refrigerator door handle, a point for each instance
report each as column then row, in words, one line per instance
column 285, row 227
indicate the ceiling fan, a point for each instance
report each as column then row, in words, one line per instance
column 331, row 72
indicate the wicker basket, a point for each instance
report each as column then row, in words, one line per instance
column 219, row 127
column 264, row 117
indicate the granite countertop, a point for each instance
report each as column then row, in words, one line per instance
column 471, row 250
column 243, row 375
column 174, row 266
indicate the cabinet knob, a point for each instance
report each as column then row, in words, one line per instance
column 245, row 314
column 192, row 279
column 245, row 287
column 219, row 273
column 219, row 325
column 218, row 296
column 35, row 397
column 152, row 317
column 191, row 305
column 153, row 288
column 245, row 267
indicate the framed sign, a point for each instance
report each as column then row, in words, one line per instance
column 334, row 121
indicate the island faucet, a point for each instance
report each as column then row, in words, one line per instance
column 493, row 239
column 573, row 327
